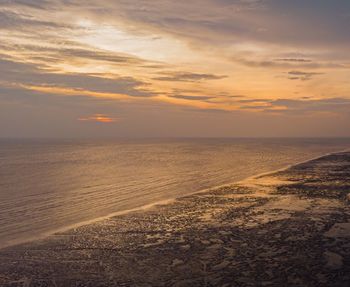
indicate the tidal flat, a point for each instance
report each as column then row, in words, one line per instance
column 286, row 228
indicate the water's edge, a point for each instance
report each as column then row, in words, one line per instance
column 162, row 202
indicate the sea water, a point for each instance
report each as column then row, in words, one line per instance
column 47, row 185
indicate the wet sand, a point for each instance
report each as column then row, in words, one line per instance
column 287, row 228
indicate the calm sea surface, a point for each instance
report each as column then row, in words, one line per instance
column 49, row 185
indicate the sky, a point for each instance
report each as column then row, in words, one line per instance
column 164, row 68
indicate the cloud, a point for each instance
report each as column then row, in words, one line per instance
column 303, row 76
column 294, row 60
column 104, row 56
column 22, row 22
column 29, row 74
column 98, row 118
column 72, row 52
column 172, row 55
column 193, row 98
column 310, row 106
column 188, row 77
column 254, row 101
column 265, row 61
column 233, row 21
column 315, row 103
column 217, row 22
column 37, row 4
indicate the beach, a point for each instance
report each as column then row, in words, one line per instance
column 286, row 228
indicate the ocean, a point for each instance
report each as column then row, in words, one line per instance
column 50, row 185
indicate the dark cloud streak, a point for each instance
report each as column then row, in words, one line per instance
column 29, row 74
column 188, row 77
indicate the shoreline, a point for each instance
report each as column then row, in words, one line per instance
column 161, row 202
column 285, row 227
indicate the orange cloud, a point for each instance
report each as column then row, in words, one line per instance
column 99, row 118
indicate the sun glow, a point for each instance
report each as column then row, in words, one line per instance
column 148, row 46
column 98, row 118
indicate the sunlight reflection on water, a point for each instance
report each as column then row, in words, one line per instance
column 47, row 185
